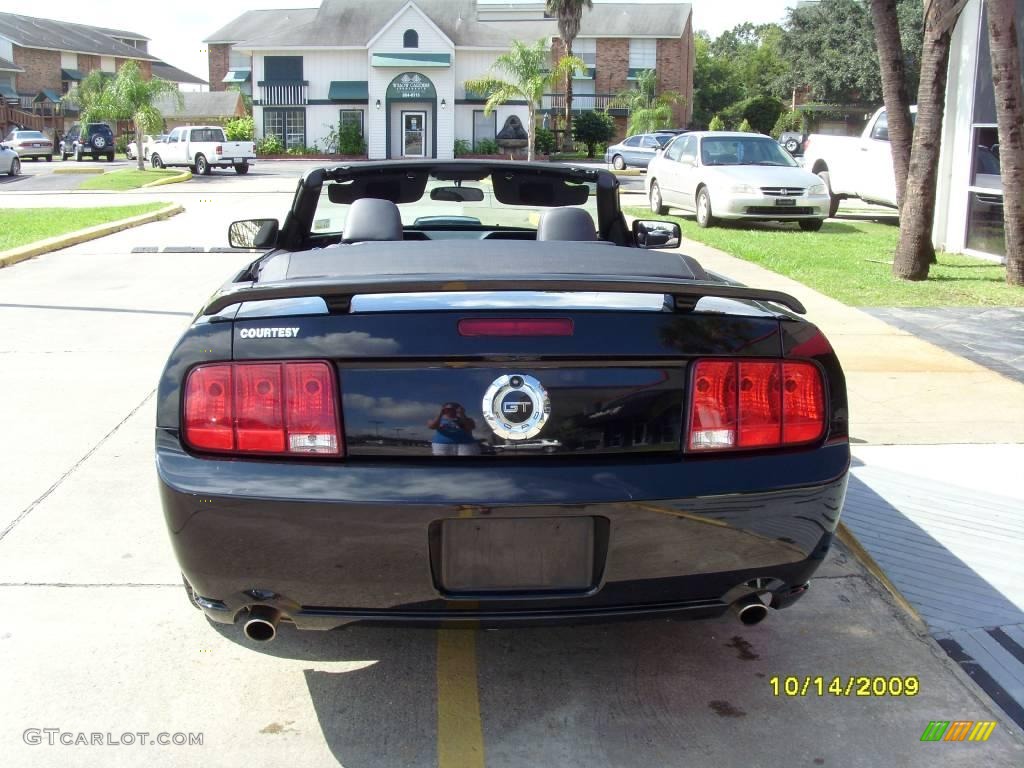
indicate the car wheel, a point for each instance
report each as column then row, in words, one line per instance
column 792, row 145
column 618, row 163
column 704, row 217
column 191, row 593
column 811, row 225
column 49, row 158
column 15, row 167
column 110, row 157
column 656, row 204
column 242, row 168
column 78, row 155
column 202, row 166
column 63, row 155
column 155, row 161
column 833, row 203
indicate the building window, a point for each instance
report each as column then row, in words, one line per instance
column 289, row 125
column 410, row 39
column 282, row 68
column 352, row 117
column 643, row 54
column 484, row 126
column 586, row 49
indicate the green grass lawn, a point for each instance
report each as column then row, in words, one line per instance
column 851, row 261
column 21, row 226
column 127, row 178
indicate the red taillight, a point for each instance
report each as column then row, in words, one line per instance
column 219, row 150
column 534, row 326
column 262, row 408
column 754, row 404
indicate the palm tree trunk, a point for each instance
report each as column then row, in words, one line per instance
column 531, row 129
column 138, row 145
column 567, row 137
column 915, row 251
column 1006, row 79
column 894, row 89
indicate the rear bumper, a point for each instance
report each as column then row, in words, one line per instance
column 330, row 544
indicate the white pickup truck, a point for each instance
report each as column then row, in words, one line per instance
column 855, row 166
column 201, row 148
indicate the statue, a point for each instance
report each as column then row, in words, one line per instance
column 512, row 134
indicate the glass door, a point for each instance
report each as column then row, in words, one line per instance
column 414, row 133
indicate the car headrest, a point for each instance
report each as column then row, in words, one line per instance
column 372, row 219
column 566, row 224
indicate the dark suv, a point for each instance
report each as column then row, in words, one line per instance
column 97, row 139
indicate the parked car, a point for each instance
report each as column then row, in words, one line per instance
column 202, row 148
column 130, row 149
column 728, row 175
column 32, row 144
column 636, row 151
column 97, row 140
column 698, row 427
column 792, row 142
column 854, row 166
column 10, row 163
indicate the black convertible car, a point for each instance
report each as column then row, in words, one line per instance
column 469, row 392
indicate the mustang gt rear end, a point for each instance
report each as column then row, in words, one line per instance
column 456, row 392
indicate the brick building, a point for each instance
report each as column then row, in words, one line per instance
column 397, row 68
column 42, row 59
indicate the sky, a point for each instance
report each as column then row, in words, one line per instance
column 177, row 37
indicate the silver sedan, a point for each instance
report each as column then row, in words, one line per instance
column 32, row 144
column 10, row 163
column 726, row 175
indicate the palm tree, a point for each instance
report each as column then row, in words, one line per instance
column 649, row 111
column 915, row 252
column 529, row 77
column 894, row 89
column 125, row 96
column 1006, row 78
column 569, row 14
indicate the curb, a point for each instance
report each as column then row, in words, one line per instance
column 845, row 535
column 183, row 176
column 74, row 169
column 13, row 256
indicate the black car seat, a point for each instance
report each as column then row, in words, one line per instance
column 566, row 224
column 370, row 218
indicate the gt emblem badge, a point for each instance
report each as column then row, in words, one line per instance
column 516, row 406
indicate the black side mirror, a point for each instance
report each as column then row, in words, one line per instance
column 656, row 234
column 253, row 233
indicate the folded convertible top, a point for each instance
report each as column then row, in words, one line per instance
column 338, row 273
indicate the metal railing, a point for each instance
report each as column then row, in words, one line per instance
column 283, row 93
column 581, row 102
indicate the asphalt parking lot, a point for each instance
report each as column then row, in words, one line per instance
column 96, row 635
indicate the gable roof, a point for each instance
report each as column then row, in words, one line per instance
column 339, row 23
column 200, row 105
column 166, row 71
column 31, row 32
column 9, row 66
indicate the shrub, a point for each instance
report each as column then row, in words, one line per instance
column 760, row 111
column 544, row 141
column 746, row 127
column 593, row 128
column 462, row 147
column 121, row 144
column 350, row 140
column 487, row 147
column 269, row 145
column 240, row 129
column 792, row 120
column 716, row 124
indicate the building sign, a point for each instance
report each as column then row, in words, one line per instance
column 412, row 86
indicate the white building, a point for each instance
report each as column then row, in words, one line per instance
column 397, row 68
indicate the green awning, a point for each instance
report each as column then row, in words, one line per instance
column 349, row 90
column 46, row 95
column 71, row 74
column 237, row 76
column 413, row 60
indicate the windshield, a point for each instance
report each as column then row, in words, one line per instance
column 740, row 150
column 30, row 135
column 427, row 213
column 664, row 138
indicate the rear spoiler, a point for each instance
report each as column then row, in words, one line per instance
column 338, row 292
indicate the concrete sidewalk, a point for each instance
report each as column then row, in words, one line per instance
column 902, row 389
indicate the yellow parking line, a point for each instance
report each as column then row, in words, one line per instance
column 460, row 737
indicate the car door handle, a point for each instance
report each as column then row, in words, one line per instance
column 863, row 149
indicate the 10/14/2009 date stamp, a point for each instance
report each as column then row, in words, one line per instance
column 854, row 685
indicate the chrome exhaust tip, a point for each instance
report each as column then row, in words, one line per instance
column 750, row 610
column 261, row 624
